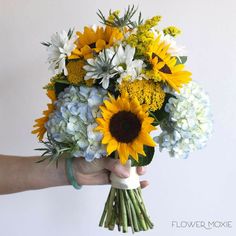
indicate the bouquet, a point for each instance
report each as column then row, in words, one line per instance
column 112, row 86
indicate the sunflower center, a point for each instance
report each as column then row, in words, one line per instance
column 165, row 69
column 92, row 45
column 124, row 126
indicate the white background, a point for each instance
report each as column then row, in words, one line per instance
column 200, row 188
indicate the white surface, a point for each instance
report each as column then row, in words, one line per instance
column 200, row 188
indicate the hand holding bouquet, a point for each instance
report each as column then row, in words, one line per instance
column 112, row 86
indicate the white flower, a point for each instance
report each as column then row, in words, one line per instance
column 101, row 67
column 189, row 124
column 114, row 61
column 60, row 47
column 74, row 120
column 173, row 49
column 126, row 66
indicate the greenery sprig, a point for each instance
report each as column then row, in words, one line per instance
column 121, row 22
column 53, row 150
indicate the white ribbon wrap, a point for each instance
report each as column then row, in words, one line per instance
column 132, row 182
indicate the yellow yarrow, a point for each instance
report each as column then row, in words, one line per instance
column 143, row 37
column 76, row 72
column 172, row 31
column 147, row 92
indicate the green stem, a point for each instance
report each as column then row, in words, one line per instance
column 117, row 204
column 137, row 193
column 123, row 212
column 110, row 207
column 137, row 209
column 113, row 220
column 133, row 214
column 127, row 203
column 104, row 213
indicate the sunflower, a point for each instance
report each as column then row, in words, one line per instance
column 165, row 67
column 126, row 127
column 39, row 123
column 94, row 40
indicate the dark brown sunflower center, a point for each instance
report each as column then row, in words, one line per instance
column 92, row 45
column 124, row 126
column 165, row 69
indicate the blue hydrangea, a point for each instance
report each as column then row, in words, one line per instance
column 189, row 124
column 73, row 121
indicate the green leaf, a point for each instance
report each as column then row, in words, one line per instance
column 181, row 60
column 161, row 114
column 144, row 160
column 46, row 44
column 60, row 87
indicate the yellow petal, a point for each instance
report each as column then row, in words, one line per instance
column 146, row 139
column 100, row 44
column 123, row 153
column 138, row 147
column 112, row 146
column 133, row 153
column 107, row 138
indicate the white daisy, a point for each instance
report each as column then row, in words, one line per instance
column 126, row 66
column 60, row 47
column 101, row 67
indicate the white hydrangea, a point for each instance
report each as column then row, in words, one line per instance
column 60, row 47
column 189, row 124
column 73, row 121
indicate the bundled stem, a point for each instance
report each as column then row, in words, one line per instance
column 125, row 208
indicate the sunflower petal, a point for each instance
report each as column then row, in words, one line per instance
column 112, row 146
column 123, row 153
column 146, row 139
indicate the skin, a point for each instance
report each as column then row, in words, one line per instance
column 22, row 173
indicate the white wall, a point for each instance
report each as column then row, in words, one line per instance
column 200, row 188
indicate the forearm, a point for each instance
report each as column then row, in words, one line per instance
column 22, row 173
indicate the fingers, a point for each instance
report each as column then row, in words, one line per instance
column 141, row 170
column 144, row 183
column 115, row 167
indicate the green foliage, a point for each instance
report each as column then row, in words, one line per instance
column 181, row 60
column 53, row 151
column 60, row 87
column 46, row 44
column 160, row 115
column 70, row 33
column 121, row 22
column 144, row 160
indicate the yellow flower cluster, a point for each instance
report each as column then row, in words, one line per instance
column 76, row 72
column 172, row 30
column 143, row 37
column 147, row 92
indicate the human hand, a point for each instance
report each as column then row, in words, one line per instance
column 98, row 171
